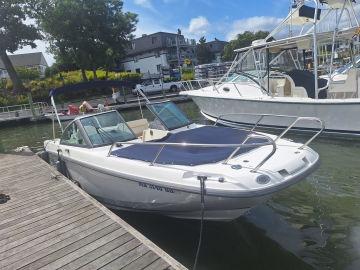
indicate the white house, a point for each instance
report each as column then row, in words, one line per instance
column 152, row 53
column 27, row 60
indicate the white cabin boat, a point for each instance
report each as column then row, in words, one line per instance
column 271, row 76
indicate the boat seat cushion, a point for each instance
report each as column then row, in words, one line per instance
column 138, row 126
column 191, row 156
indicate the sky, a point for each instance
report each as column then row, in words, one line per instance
column 221, row 19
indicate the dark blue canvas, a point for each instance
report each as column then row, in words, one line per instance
column 191, row 156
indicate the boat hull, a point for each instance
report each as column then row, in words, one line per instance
column 339, row 117
column 127, row 194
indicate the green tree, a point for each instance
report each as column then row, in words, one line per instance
column 242, row 40
column 203, row 53
column 90, row 34
column 15, row 34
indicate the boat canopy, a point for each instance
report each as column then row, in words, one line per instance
column 90, row 85
column 302, row 41
column 335, row 3
column 192, row 156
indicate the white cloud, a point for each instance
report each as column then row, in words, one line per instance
column 198, row 26
column 253, row 24
column 145, row 4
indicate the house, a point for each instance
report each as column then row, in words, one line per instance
column 28, row 60
column 155, row 52
column 216, row 47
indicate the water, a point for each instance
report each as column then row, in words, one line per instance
column 313, row 225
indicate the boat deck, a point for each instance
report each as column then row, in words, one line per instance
column 47, row 222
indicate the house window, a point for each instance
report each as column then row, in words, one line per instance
column 137, row 70
column 158, row 68
column 153, row 40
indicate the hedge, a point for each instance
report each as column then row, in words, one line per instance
column 40, row 88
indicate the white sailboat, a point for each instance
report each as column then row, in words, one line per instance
column 270, row 77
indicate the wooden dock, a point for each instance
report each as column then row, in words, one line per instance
column 47, row 222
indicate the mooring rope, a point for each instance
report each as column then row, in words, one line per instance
column 202, row 180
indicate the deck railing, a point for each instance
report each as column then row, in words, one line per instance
column 21, row 110
column 297, row 119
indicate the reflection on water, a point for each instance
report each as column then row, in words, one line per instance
column 312, row 225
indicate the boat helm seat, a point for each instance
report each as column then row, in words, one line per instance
column 306, row 79
column 340, row 88
column 290, row 89
column 138, row 126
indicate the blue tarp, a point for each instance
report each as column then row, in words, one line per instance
column 191, row 156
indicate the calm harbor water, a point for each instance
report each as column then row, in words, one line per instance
column 312, row 225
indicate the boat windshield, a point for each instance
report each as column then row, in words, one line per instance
column 345, row 69
column 169, row 115
column 248, row 77
column 106, row 128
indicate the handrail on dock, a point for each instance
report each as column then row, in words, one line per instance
column 22, row 110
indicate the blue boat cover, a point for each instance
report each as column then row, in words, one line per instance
column 191, row 156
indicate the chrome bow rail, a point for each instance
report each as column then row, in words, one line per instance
column 286, row 130
column 237, row 147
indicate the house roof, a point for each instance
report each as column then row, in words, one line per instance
column 26, row 59
column 216, row 45
column 155, row 42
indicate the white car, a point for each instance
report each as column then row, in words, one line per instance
column 156, row 85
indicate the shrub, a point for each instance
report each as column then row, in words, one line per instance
column 40, row 87
column 28, row 74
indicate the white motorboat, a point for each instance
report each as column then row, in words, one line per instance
column 171, row 164
column 270, row 77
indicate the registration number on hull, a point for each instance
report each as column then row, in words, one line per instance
column 155, row 187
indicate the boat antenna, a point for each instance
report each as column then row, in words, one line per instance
column 55, row 110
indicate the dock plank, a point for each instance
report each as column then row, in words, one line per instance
column 52, row 238
column 142, row 262
column 42, row 219
column 129, row 257
column 109, row 257
column 93, row 255
column 157, row 265
column 50, row 223
column 55, row 252
column 82, row 249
